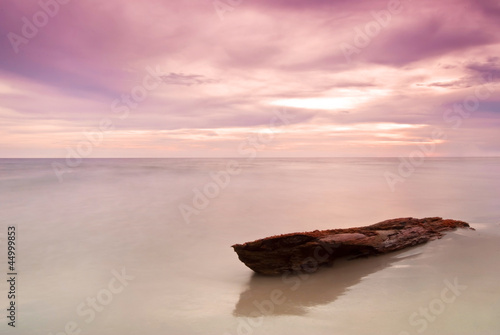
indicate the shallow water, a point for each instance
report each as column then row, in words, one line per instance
column 182, row 277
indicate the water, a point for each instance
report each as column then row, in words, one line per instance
column 152, row 221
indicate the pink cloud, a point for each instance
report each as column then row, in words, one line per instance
column 64, row 80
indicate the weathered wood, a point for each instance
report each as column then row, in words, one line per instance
column 307, row 251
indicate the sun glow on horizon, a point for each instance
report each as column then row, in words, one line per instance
column 322, row 103
column 339, row 100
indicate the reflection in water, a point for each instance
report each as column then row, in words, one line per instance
column 292, row 294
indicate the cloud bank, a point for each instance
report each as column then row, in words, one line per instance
column 358, row 78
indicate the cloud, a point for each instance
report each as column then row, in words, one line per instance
column 223, row 79
column 488, row 70
column 186, row 79
column 425, row 39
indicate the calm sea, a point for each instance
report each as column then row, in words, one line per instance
column 142, row 246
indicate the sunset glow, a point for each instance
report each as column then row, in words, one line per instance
column 341, row 103
column 182, row 78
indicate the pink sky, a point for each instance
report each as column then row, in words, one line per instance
column 207, row 78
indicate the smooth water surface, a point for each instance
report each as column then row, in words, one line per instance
column 167, row 226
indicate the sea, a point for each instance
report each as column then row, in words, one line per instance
column 143, row 246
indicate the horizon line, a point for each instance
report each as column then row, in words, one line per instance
column 246, row 158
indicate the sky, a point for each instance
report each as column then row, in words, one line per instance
column 249, row 78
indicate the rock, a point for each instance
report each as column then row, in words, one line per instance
column 305, row 252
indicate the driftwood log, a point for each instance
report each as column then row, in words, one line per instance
column 305, row 252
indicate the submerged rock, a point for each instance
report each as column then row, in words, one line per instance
column 305, row 252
